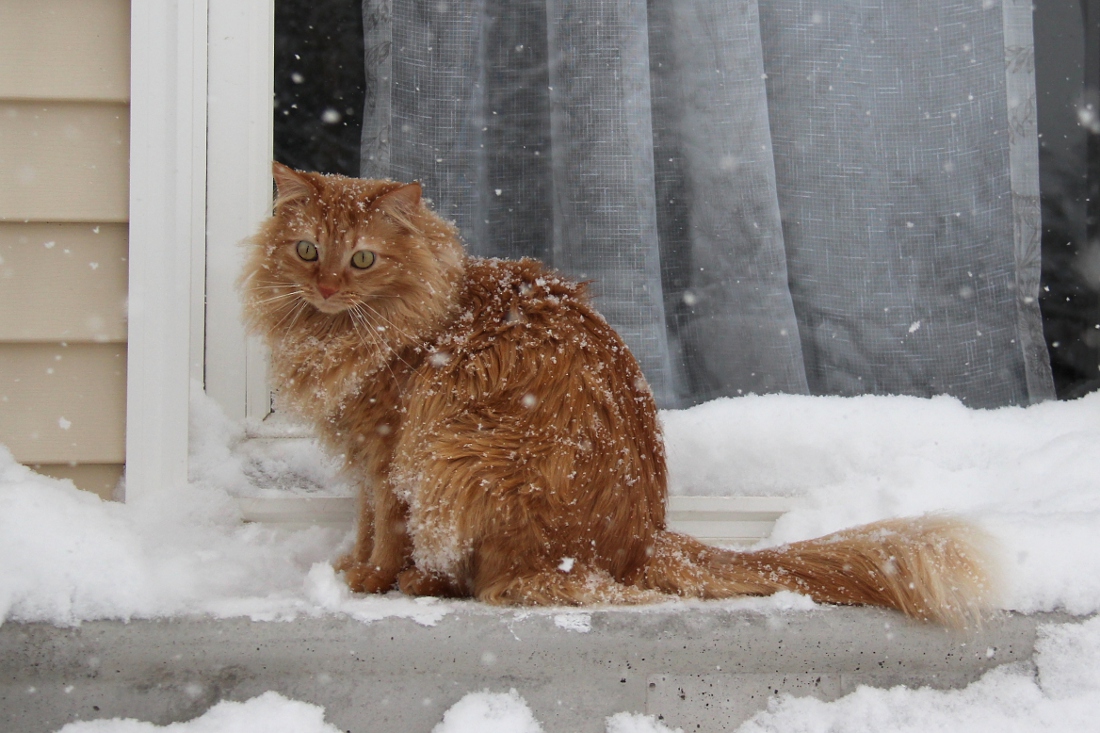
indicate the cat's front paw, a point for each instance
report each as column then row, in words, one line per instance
column 363, row 577
column 346, row 562
column 416, row 582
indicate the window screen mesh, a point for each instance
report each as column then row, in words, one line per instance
column 799, row 197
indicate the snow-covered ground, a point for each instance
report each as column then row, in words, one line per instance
column 1030, row 476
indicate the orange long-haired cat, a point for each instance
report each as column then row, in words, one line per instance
column 505, row 440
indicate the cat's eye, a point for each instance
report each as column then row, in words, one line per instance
column 362, row 259
column 307, row 250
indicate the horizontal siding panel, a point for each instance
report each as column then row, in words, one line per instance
column 63, row 282
column 62, row 162
column 63, row 403
column 65, row 49
column 98, row 478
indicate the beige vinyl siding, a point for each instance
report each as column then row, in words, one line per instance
column 64, row 167
column 63, row 282
column 65, row 49
column 64, row 161
column 61, row 401
column 98, row 478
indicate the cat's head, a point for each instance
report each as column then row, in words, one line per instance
column 365, row 254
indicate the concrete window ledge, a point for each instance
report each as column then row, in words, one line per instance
column 702, row 668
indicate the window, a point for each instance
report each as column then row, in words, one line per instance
column 1067, row 68
column 234, row 161
column 509, row 94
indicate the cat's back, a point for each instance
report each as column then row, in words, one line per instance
column 528, row 346
column 523, row 302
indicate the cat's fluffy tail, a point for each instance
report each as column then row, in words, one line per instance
column 932, row 568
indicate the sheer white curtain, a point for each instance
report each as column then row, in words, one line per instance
column 826, row 198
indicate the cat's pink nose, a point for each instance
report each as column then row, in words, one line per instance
column 326, row 291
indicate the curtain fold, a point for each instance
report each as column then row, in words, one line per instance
column 797, row 198
column 894, row 170
column 730, row 308
column 605, row 213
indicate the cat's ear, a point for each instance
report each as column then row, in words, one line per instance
column 290, row 185
column 400, row 203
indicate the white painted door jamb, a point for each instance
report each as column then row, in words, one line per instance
column 167, row 226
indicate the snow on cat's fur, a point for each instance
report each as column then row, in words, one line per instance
column 506, row 443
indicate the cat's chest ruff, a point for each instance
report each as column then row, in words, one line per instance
column 322, row 378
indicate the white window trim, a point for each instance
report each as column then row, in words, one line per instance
column 168, row 62
column 239, row 193
column 200, row 182
column 174, row 45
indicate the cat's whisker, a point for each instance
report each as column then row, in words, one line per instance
column 353, row 313
column 365, row 334
column 284, row 306
column 390, row 323
column 295, row 312
column 303, row 308
column 276, row 298
column 282, row 300
column 377, row 337
column 290, row 311
column 363, row 330
column 270, row 286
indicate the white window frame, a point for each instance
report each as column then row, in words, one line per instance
column 200, row 182
column 168, row 64
column 239, row 194
column 200, row 110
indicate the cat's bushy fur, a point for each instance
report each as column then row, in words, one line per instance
column 505, row 440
